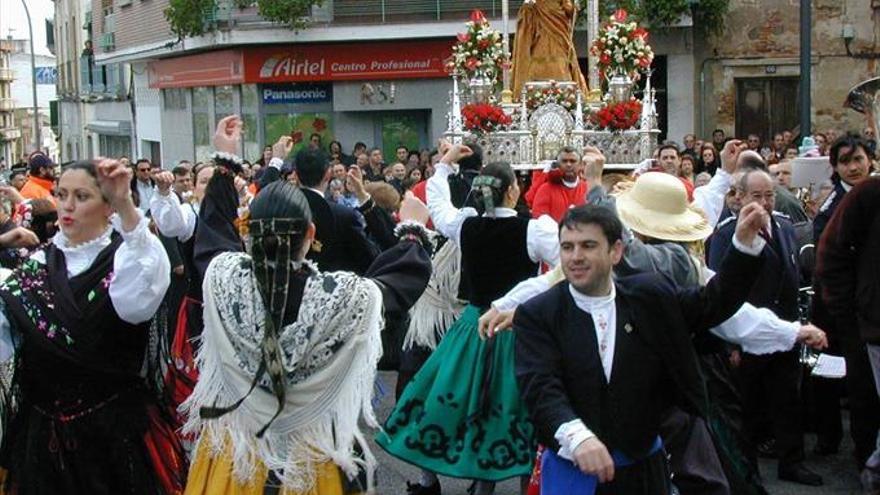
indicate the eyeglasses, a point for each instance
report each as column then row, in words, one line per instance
column 144, row 170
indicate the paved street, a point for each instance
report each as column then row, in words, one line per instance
column 840, row 478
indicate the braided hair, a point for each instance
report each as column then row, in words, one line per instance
column 488, row 189
column 279, row 219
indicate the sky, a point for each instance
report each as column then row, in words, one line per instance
column 12, row 16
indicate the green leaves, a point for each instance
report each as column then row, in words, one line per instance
column 293, row 13
column 709, row 14
column 189, row 18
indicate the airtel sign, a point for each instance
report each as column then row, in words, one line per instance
column 348, row 61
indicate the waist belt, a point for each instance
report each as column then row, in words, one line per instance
column 562, row 477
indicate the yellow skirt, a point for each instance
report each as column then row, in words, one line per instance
column 213, row 476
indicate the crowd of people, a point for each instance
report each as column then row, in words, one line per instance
column 216, row 328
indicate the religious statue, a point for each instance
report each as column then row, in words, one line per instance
column 544, row 49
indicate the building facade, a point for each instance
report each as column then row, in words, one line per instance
column 749, row 74
column 94, row 110
column 23, row 97
column 9, row 133
column 362, row 71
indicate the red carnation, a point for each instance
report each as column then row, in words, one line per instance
column 463, row 37
column 483, row 44
column 620, row 15
column 471, row 63
column 477, row 16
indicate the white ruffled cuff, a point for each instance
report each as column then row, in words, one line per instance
column 138, row 236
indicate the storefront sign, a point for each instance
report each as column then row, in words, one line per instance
column 296, row 93
column 347, row 61
column 215, row 68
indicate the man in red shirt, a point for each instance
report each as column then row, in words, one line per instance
column 563, row 188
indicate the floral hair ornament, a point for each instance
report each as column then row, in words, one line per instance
column 485, row 184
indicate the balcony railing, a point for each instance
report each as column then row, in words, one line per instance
column 7, row 104
column 6, row 74
column 396, row 11
column 351, row 12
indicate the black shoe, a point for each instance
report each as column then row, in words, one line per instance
column 419, row 489
column 825, row 449
column 798, row 473
column 767, row 449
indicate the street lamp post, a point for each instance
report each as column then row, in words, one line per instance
column 806, row 67
column 35, row 139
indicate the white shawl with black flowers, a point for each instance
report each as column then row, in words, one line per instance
column 329, row 357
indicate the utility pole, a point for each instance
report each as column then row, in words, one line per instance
column 35, row 139
column 806, row 68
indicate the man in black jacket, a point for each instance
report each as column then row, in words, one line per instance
column 598, row 362
column 771, row 378
column 341, row 241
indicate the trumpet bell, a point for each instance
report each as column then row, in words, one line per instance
column 864, row 96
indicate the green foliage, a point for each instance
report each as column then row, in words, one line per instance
column 189, row 17
column 658, row 14
column 293, row 13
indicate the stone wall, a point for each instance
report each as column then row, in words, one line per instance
column 761, row 39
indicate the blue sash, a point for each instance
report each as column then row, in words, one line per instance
column 562, row 477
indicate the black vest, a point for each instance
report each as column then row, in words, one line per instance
column 494, row 258
column 76, row 349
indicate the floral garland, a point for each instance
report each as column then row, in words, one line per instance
column 484, row 117
column 566, row 96
column 622, row 48
column 479, row 51
column 618, row 116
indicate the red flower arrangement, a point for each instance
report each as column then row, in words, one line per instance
column 618, row 116
column 484, row 117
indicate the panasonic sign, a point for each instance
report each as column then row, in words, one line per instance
column 274, row 94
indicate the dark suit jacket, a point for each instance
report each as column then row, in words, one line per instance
column 341, row 232
column 560, row 375
column 778, row 284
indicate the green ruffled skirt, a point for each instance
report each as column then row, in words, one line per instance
column 462, row 414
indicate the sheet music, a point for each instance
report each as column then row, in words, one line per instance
column 829, row 366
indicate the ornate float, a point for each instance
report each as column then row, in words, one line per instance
column 550, row 114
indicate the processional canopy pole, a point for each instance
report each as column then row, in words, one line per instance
column 506, row 93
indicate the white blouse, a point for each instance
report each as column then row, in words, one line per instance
column 542, row 234
column 141, row 273
column 172, row 218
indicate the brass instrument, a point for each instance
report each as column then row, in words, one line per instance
column 865, row 98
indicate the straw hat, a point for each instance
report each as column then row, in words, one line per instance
column 657, row 206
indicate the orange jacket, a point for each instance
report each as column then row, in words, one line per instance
column 38, row 188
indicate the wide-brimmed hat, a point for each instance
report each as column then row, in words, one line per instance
column 657, row 206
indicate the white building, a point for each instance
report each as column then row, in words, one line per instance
column 94, row 106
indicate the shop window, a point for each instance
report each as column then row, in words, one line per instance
column 174, row 99
column 299, row 126
column 114, row 146
column 250, row 114
column 203, row 125
column 224, row 102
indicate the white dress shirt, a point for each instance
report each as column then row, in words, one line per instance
column 146, row 191
column 710, row 197
column 172, row 218
column 542, row 234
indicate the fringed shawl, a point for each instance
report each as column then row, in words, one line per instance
column 329, row 357
column 438, row 307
